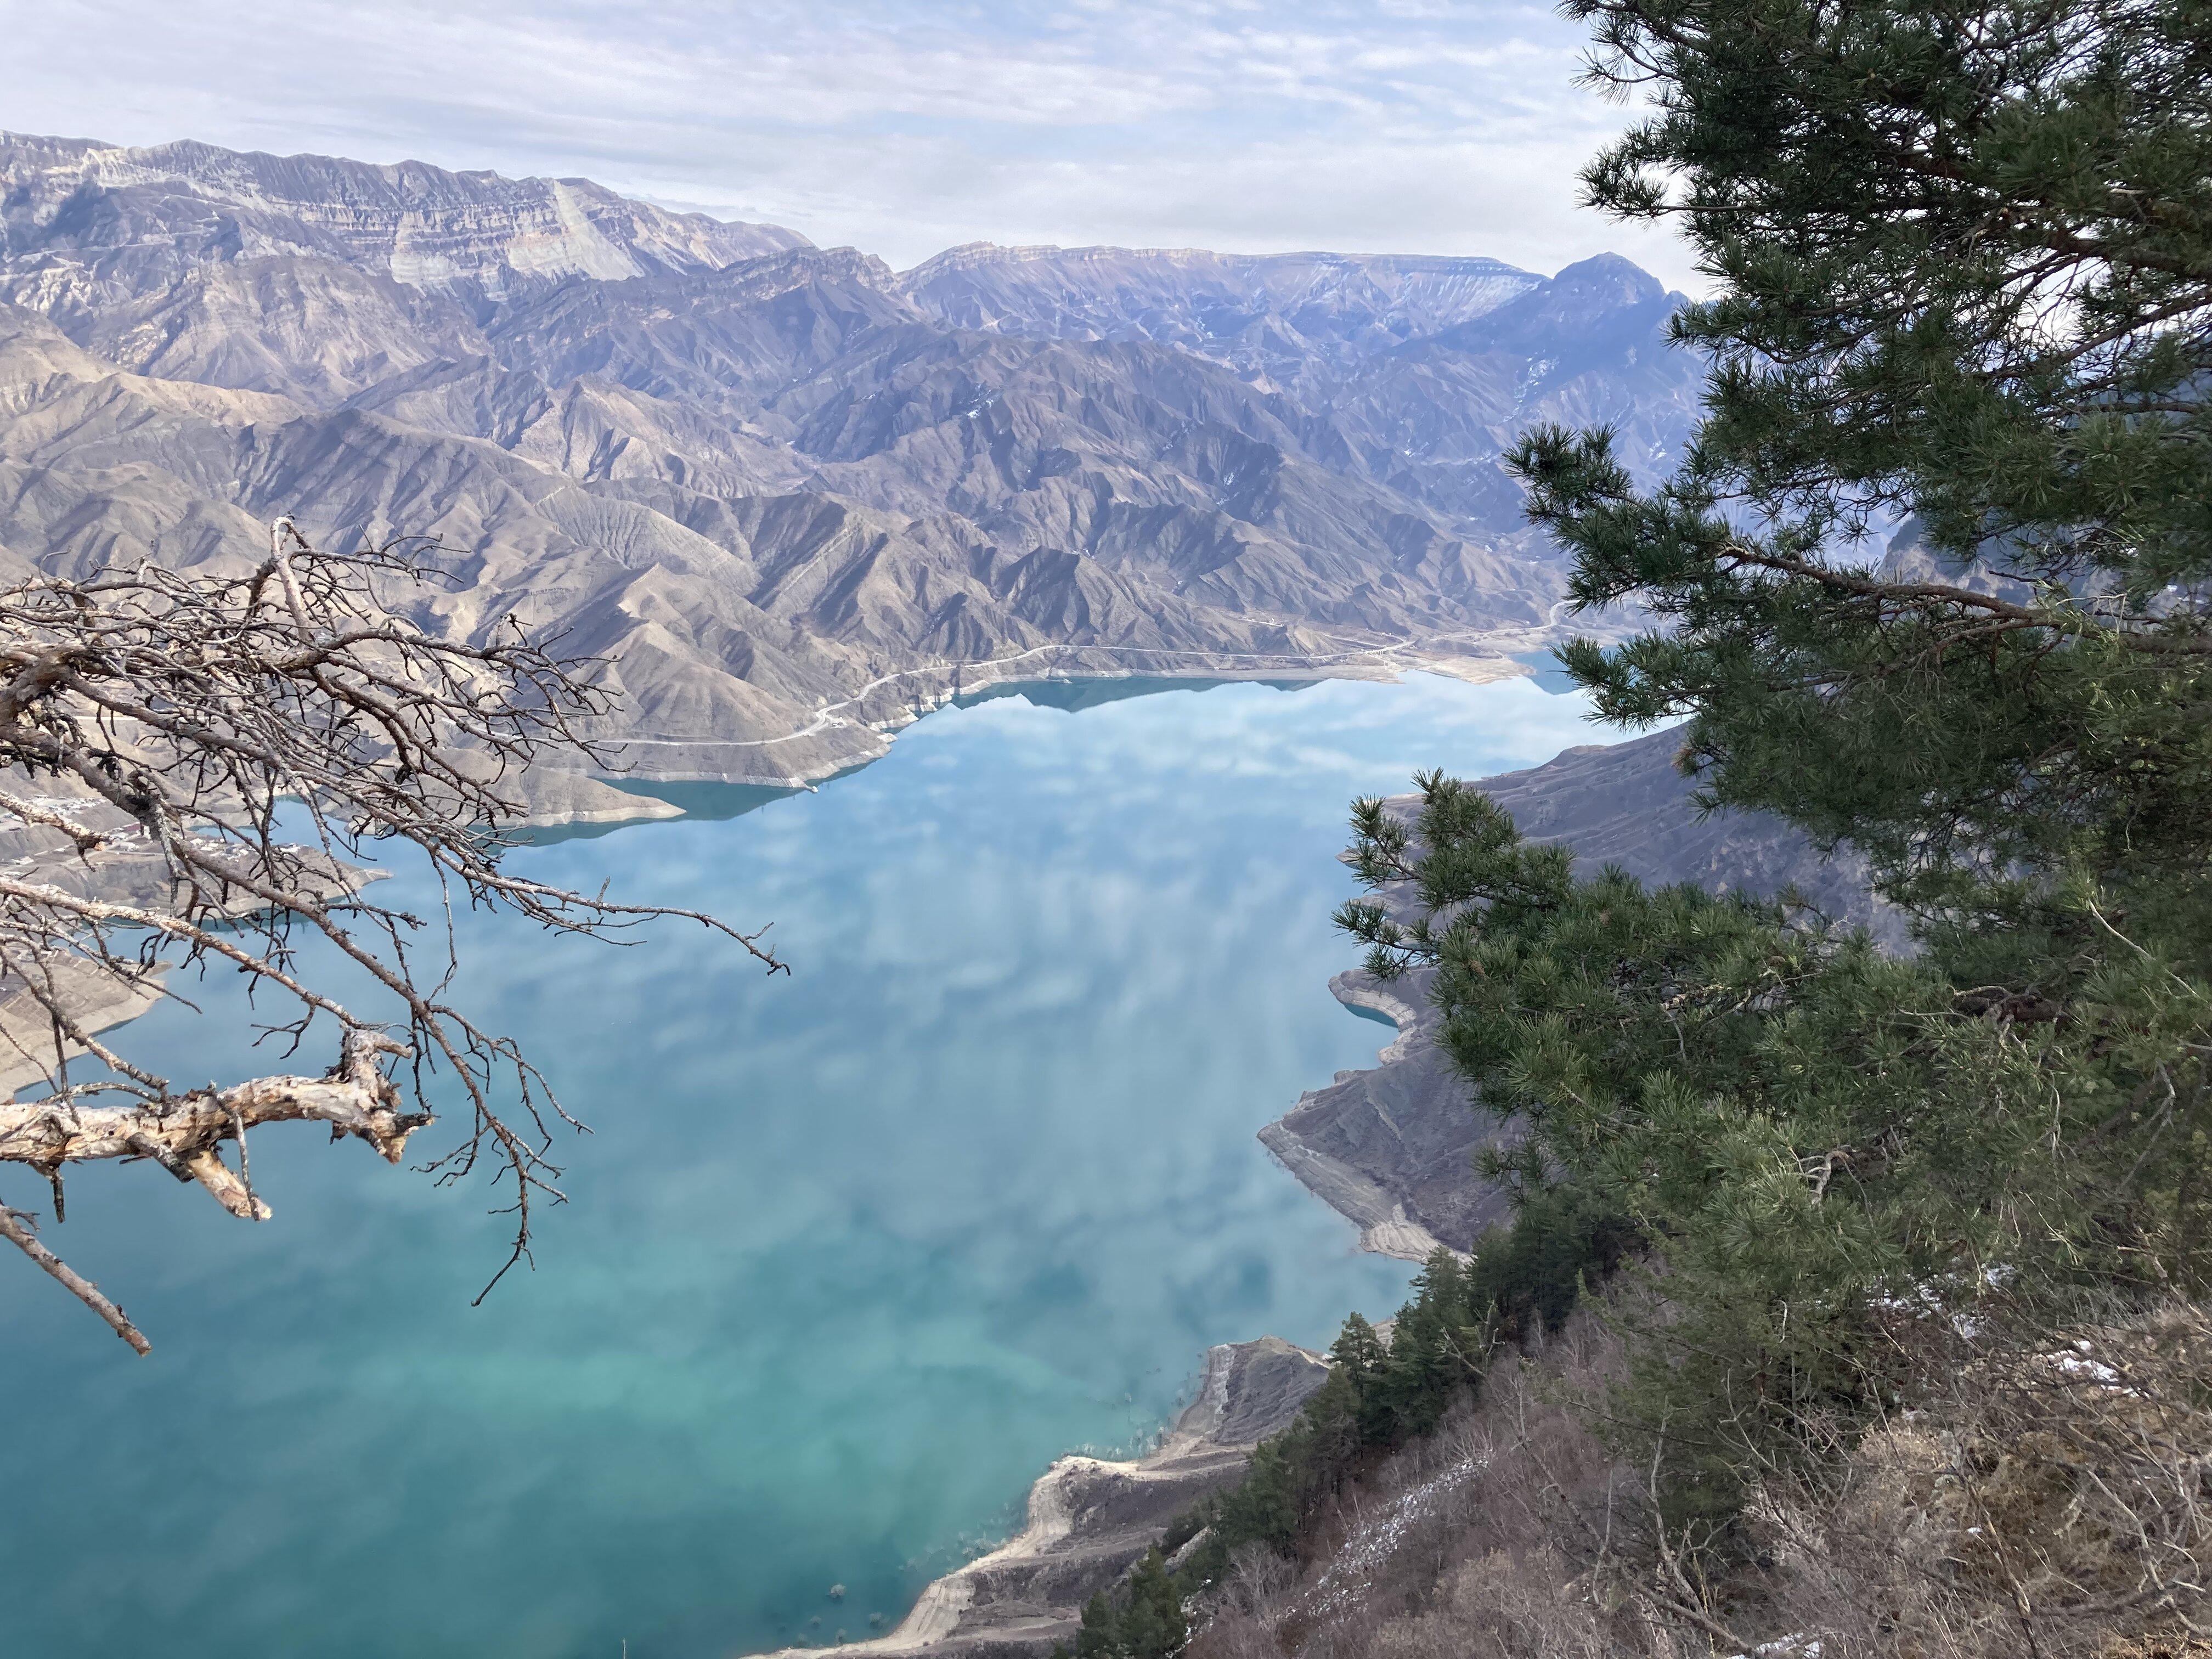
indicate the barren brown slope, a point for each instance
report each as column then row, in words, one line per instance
column 792, row 496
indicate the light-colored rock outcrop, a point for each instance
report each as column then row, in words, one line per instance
column 1089, row 1518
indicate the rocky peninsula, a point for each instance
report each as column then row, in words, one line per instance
column 1388, row 1147
column 1089, row 1519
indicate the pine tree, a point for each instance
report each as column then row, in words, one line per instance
column 1264, row 1507
column 1362, row 1361
column 1152, row 1625
column 1962, row 262
column 1099, row 1636
column 1964, row 266
column 1433, row 1355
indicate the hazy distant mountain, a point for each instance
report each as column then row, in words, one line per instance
column 1286, row 312
column 785, row 489
column 1429, row 365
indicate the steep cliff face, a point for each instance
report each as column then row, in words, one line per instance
column 790, row 495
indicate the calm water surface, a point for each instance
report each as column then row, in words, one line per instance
column 850, row 1257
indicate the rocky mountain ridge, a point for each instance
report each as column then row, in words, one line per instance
column 475, row 233
column 792, row 496
column 1239, row 309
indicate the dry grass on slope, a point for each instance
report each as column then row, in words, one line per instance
column 2051, row 1499
column 2048, row 1499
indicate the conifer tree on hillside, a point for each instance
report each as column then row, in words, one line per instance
column 1962, row 258
column 1962, row 268
column 1145, row 1620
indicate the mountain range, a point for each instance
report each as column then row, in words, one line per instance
column 790, row 495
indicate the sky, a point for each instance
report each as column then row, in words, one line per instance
column 899, row 126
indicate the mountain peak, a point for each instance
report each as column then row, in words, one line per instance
column 422, row 225
column 1611, row 275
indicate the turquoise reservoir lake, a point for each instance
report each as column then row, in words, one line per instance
column 850, row 1255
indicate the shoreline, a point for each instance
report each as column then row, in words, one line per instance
column 1322, row 1141
column 1388, row 1145
column 1089, row 1518
column 838, row 741
column 1076, row 1537
column 1384, row 1227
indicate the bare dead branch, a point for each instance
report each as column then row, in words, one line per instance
column 181, row 716
column 16, row 1230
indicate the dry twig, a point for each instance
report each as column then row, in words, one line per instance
column 194, row 706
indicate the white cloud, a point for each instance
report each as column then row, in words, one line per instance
column 897, row 125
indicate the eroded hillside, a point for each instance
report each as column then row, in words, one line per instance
column 790, row 495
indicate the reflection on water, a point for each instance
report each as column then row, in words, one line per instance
column 849, row 1257
column 1547, row 673
column 710, row 802
column 1071, row 695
